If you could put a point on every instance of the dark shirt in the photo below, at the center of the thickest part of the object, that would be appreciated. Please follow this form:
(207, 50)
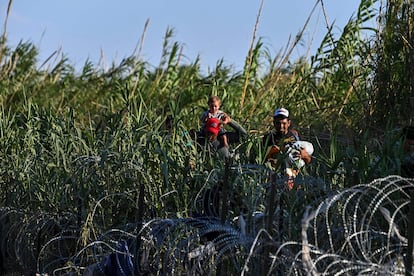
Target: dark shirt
(278, 139)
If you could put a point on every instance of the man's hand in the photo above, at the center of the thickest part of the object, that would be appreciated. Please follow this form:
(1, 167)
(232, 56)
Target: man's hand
(304, 155)
(272, 154)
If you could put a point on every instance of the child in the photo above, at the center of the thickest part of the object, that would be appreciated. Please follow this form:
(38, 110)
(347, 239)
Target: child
(212, 120)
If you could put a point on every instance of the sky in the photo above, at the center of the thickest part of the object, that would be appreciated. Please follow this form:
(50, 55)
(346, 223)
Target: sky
(213, 30)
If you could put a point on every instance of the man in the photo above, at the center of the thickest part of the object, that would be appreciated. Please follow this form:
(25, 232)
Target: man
(283, 139)
(407, 166)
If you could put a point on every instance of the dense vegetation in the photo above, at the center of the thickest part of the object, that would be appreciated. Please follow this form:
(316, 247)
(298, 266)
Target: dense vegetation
(87, 162)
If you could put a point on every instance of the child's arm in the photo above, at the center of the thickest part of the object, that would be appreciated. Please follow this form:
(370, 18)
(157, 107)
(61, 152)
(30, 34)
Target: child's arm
(225, 119)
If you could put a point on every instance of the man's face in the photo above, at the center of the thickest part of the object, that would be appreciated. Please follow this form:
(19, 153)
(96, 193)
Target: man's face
(281, 124)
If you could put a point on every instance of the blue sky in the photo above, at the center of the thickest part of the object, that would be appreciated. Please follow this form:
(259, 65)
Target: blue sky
(213, 29)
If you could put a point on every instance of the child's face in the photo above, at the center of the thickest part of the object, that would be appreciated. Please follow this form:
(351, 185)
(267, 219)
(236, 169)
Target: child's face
(214, 106)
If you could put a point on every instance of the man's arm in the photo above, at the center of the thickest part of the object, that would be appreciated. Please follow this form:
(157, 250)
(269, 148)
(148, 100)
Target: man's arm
(238, 128)
(304, 151)
(305, 156)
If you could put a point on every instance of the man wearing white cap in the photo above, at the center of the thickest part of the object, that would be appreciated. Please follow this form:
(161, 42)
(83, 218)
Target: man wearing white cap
(283, 138)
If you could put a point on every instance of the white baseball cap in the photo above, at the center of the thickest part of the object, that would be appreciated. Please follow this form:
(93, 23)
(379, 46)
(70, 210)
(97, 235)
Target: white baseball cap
(281, 112)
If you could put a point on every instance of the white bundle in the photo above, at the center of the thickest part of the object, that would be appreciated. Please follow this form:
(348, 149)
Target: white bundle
(293, 157)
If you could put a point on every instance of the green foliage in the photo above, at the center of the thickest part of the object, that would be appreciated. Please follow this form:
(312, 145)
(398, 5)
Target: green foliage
(394, 64)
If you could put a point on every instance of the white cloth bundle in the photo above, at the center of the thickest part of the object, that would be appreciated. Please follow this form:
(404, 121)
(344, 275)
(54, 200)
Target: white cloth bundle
(293, 158)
